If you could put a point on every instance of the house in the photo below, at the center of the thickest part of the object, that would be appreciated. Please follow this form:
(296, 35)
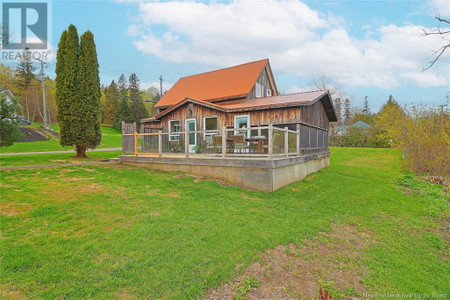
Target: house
(233, 124)
(9, 96)
(241, 96)
(342, 129)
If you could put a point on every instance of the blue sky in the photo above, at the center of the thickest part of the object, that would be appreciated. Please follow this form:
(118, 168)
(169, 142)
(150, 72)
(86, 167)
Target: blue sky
(366, 48)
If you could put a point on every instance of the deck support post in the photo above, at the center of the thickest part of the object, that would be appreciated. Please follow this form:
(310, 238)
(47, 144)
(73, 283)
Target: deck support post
(160, 143)
(135, 143)
(186, 143)
(224, 141)
(270, 150)
(298, 140)
(286, 141)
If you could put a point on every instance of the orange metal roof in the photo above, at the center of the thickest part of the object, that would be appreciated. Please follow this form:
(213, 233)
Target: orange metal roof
(305, 98)
(230, 82)
(281, 100)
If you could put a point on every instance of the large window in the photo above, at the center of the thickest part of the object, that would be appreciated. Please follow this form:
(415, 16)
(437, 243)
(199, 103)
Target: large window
(211, 125)
(174, 127)
(258, 90)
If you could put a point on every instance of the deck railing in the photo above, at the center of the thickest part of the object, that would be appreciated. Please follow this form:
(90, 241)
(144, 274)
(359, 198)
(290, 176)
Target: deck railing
(263, 141)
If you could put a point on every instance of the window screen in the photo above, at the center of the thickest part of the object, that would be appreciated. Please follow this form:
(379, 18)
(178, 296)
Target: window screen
(326, 139)
(304, 136)
(320, 138)
(313, 137)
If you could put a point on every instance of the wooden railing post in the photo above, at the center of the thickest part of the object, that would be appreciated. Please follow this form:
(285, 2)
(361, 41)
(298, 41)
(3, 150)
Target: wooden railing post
(286, 141)
(186, 143)
(224, 141)
(270, 150)
(160, 143)
(135, 144)
(124, 139)
(298, 140)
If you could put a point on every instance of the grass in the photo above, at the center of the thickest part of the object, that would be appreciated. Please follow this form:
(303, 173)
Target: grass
(56, 158)
(124, 231)
(110, 138)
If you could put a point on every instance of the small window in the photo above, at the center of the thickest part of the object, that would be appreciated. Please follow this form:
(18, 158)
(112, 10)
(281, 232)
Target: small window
(211, 126)
(258, 90)
(174, 126)
(268, 93)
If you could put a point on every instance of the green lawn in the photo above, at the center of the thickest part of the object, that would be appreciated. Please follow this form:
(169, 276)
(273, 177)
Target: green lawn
(110, 138)
(57, 158)
(116, 230)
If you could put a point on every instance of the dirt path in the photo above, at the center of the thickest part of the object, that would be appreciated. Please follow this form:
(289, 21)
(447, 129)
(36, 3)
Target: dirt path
(60, 151)
(331, 260)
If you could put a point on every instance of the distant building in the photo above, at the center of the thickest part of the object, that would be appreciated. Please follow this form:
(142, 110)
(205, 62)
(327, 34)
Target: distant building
(342, 129)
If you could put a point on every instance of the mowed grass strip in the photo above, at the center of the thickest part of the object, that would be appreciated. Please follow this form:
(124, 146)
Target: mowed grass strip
(126, 231)
(55, 158)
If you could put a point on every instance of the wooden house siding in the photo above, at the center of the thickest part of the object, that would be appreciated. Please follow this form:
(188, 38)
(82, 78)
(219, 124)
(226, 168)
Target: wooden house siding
(263, 79)
(314, 115)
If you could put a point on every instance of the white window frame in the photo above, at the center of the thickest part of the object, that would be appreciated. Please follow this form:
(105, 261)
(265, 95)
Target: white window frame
(259, 90)
(204, 126)
(248, 123)
(172, 136)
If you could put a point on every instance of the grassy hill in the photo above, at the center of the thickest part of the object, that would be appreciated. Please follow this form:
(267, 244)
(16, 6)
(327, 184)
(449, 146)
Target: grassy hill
(123, 231)
(110, 138)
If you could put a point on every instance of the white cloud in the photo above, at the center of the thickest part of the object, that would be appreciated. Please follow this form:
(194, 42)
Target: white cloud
(441, 7)
(297, 39)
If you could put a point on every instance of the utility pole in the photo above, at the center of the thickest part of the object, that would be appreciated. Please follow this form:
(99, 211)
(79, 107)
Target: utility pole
(44, 98)
(160, 85)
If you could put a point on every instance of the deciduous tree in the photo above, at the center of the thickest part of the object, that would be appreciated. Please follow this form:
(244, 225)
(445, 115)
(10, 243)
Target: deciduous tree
(112, 100)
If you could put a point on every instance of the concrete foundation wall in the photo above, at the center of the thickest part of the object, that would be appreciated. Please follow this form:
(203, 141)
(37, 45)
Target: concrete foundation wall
(256, 174)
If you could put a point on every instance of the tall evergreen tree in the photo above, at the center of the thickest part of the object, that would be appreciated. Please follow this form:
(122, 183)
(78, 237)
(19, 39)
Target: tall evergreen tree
(123, 114)
(137, 106)
(347, 112)
(338, 110)
(25, 70)
(66, 75)
(122, 87)
(112, 100)
(86, 113)
(366, 108)
(78, 91)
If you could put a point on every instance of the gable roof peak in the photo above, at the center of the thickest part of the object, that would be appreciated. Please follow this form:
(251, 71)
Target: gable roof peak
(231, 82)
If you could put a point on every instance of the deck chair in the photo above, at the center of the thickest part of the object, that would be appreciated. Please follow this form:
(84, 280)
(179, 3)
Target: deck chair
(217, 143)
(209, 144)
(239, 143)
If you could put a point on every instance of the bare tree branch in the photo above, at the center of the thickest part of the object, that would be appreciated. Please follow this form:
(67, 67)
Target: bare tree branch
(442, 34)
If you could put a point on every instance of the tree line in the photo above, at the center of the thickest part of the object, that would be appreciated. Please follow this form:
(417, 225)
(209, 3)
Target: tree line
(420, 132)
(125, 101)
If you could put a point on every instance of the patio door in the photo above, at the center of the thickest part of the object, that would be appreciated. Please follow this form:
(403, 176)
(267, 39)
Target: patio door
(242, 121)
(191, 125)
